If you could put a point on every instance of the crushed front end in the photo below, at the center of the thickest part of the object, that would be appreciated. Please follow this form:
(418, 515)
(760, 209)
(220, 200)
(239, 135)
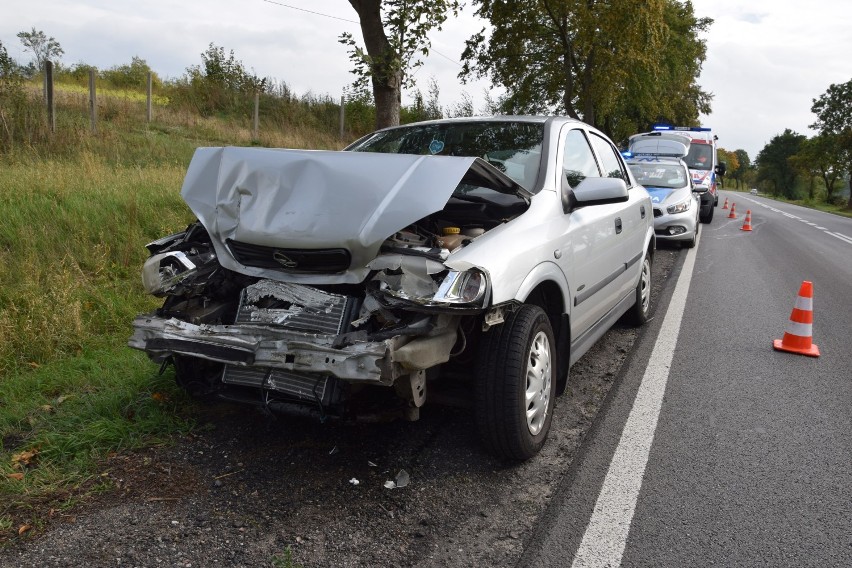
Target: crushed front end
(293, 319)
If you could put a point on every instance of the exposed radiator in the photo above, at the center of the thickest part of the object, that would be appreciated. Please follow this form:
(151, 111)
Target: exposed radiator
(296, 307)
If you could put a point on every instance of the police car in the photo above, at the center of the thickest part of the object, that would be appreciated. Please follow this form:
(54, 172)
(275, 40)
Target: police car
(700, 157)
(675, 203)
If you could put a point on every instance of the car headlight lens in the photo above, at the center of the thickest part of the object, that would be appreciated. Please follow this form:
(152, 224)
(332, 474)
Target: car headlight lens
(467, 287)
(163, 272)
(679, 207)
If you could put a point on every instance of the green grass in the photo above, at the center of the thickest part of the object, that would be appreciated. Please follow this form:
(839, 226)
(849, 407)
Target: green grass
(77, 209)
(71, 246)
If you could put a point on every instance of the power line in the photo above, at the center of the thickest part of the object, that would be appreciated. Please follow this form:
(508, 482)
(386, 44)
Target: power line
(311, 12)
(450, 59)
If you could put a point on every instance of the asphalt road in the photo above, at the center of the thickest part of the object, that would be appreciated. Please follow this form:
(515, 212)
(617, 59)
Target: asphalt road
(716, 450)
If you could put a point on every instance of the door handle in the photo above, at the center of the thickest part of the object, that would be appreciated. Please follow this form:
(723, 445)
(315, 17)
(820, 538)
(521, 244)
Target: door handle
(617, 225)
(642, 210)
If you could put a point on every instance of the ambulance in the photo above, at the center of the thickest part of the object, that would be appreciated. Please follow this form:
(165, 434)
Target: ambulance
(701, 159)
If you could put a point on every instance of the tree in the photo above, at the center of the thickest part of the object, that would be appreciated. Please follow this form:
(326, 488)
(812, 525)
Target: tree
(773, 163)
(834, 119)
(43, 48)
(743, 165)
(132, 76)
(821, 156)
(620, 65)
(220, 84)
(395, 35)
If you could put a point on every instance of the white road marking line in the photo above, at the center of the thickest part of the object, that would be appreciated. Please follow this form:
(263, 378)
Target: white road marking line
(606, 534)
(821, 228)
(843, 238)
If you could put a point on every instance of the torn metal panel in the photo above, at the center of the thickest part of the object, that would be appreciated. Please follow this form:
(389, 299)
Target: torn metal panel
(294, 306)
(408, 277)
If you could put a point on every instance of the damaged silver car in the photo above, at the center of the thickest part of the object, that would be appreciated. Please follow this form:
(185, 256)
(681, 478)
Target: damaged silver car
(480, 255)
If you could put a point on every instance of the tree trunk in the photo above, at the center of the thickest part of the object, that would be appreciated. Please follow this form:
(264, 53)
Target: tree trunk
(385, 78)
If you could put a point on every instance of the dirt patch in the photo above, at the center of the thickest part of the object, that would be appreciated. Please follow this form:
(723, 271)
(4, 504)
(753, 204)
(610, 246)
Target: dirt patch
(245, 486)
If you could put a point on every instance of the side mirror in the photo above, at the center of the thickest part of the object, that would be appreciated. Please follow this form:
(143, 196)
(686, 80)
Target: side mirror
(593, 191)
(721, 168)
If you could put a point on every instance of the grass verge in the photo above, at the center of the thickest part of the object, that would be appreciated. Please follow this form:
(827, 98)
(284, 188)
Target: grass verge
(71, 244)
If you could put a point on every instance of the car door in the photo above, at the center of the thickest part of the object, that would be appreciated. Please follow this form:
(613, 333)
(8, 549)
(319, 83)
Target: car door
(593, 260)
(631, 217)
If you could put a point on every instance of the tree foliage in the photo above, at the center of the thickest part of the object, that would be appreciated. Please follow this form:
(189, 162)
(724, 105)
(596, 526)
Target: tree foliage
(821, 157)
(834, 122)
(133, 75)
(774, 165)
(220, 84)
(739, 168)
(395, 36)
(42, 47)
(620, 65)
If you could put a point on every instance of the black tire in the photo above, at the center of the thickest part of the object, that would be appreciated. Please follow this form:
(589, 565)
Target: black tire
(516, 357)
(200, 378)
(638, 314)
(691, 242)
(707, 217)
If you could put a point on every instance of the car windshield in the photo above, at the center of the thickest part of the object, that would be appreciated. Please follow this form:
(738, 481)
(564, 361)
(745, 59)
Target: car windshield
(514, 148)
(700, 157)
(655, 174)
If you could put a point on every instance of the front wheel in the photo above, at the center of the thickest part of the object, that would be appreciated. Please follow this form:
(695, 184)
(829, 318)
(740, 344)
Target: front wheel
(516, 384)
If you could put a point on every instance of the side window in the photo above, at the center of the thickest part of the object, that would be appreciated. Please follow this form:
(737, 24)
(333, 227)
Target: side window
(578, 161)
(611, 164)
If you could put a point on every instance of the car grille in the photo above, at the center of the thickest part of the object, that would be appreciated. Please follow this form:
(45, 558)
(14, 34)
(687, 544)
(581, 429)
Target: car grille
(658, 212)
(323, 261)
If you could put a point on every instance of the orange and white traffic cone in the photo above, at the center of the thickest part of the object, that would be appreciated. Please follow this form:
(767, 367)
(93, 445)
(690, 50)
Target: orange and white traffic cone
(798, 337)
(733, 214)
(747, 223)
(725, 206)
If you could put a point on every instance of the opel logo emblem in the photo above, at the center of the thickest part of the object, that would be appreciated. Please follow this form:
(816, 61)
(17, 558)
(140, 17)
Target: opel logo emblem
(284, 260)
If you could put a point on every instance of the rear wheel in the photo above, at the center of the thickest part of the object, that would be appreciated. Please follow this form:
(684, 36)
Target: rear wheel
(638, 314)
(707, 216)
(516, 384)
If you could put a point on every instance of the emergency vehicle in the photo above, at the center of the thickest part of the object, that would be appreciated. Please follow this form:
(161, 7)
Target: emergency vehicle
(701, 159)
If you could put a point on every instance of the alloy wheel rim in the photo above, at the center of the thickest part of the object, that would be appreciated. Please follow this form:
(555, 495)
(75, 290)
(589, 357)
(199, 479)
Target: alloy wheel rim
(538, 383)
(646, 285)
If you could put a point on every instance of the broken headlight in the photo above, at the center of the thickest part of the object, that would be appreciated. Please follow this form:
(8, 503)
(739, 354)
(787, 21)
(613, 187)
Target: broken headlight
(467, 287)
(163, 273)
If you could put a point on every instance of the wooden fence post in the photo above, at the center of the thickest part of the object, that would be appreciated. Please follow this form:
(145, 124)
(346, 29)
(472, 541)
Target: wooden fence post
(342, 117)
(148, 112)
(255, 124)
(48, 78)
(93, 102)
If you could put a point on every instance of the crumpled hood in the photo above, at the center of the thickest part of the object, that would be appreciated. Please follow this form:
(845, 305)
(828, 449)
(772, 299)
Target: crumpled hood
(311, 199)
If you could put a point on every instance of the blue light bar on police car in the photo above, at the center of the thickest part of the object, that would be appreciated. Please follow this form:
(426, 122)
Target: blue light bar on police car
(681, 128)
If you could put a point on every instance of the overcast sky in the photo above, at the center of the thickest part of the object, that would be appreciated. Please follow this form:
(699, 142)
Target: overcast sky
(767, 60)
